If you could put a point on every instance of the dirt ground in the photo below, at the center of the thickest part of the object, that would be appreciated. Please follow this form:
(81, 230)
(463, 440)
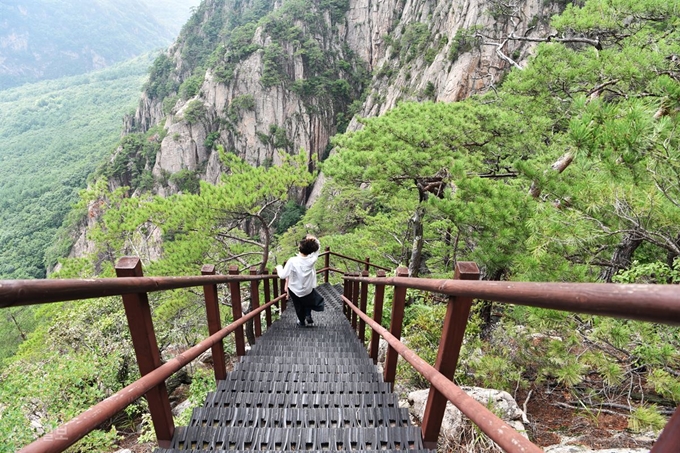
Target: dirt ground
(550, 423)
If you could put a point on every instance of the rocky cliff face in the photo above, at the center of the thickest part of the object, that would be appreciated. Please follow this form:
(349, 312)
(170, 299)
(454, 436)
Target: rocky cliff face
(415, 49)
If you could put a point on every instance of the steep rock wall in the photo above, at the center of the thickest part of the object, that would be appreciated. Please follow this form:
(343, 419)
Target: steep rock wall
(387, 51)
(407, 44)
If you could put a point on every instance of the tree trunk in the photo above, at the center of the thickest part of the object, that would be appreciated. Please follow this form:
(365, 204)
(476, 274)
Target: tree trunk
(249, 325)
(16, 324)
(559, 166)
(417, 248)
(671, 256)
(447, 249)
(622, 256)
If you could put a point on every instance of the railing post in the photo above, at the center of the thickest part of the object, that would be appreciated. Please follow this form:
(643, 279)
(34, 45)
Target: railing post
(457, 314)
(267, 298)
(396, 324)
(255, 301)
(362, 306)
(327, 264)
(138, 315)
(367, 264)
(377, 316)
(355, 301)
(212, 311)
(235, 289)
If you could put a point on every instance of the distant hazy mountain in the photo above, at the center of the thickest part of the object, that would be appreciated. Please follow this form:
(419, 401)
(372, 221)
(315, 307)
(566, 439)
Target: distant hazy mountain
(48, 39)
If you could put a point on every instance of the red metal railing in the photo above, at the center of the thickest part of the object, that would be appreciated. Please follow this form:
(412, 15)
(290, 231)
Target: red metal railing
(133, 288)
(654, 303)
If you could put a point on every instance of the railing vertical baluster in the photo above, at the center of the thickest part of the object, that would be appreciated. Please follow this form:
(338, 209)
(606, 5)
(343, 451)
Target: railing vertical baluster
(282, 288)
(138, 315)
(267, 298)
(255, 301)
(367, 264)
(377, 316)
(275, 285)
(347, 292)
(398, 304)
(457, 314)
(212, 311)
(327, 264)
(235, 289)
(362, 306)
(355, 301)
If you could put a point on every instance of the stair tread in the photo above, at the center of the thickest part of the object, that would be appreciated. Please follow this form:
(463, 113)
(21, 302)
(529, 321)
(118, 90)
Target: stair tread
(305, 418)
(229, 438)
(312, 389)
(234, 386)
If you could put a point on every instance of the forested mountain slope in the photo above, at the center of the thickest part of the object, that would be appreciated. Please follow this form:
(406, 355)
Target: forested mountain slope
(53, 134)
(42, 40)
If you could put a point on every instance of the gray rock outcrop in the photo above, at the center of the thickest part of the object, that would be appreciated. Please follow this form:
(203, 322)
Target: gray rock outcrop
(499, 402)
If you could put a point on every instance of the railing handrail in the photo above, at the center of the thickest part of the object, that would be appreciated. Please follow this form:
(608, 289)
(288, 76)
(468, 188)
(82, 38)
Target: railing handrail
(498, 430)
(653, 303)
(33, 292)
(358, 261)
(650, 303)
(76, 428)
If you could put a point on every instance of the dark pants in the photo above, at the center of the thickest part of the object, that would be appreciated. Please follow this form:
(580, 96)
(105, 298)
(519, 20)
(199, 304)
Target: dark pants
(303, 305)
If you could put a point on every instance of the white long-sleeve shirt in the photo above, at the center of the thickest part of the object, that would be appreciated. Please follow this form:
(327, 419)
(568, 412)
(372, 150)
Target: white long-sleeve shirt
(301, 271)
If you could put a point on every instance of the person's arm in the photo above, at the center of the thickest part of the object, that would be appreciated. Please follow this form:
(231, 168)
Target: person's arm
(284, 272)
(315, 255)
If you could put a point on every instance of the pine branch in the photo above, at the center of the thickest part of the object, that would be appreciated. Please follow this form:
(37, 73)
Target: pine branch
(554, 38)
(244, 240)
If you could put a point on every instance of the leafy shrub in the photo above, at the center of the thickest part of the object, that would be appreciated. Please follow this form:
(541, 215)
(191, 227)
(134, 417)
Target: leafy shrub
(194, 112)
(191, 86)
(187, 181)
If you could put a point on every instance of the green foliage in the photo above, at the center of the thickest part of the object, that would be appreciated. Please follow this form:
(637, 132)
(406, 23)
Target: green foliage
(414, 41)
(194, 111)
(190, 87)
(290, 215)
(645, 418)
(273, 69)
(462, 42)
(133, 160)
(202, 382)
(60, 130)
(655, 272)
(187, 181)
(82, 355)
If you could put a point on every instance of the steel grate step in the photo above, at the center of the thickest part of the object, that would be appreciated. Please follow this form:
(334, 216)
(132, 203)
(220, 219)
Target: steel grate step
(302, 377)
(301, 401)
(300, 418)
(207, 438)
(302, 389)
(288, 387)
(302, 368)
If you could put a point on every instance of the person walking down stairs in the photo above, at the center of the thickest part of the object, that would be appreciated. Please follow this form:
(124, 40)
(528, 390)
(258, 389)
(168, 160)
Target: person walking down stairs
(301, 278)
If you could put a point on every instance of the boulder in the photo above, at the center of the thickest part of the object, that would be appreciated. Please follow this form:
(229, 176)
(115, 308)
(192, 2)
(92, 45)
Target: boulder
(454, 423)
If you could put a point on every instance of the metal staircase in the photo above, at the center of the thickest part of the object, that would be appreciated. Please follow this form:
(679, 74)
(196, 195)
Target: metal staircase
(311, 389)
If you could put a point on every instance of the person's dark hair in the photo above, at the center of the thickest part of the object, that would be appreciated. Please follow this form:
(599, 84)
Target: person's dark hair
(308, 245)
